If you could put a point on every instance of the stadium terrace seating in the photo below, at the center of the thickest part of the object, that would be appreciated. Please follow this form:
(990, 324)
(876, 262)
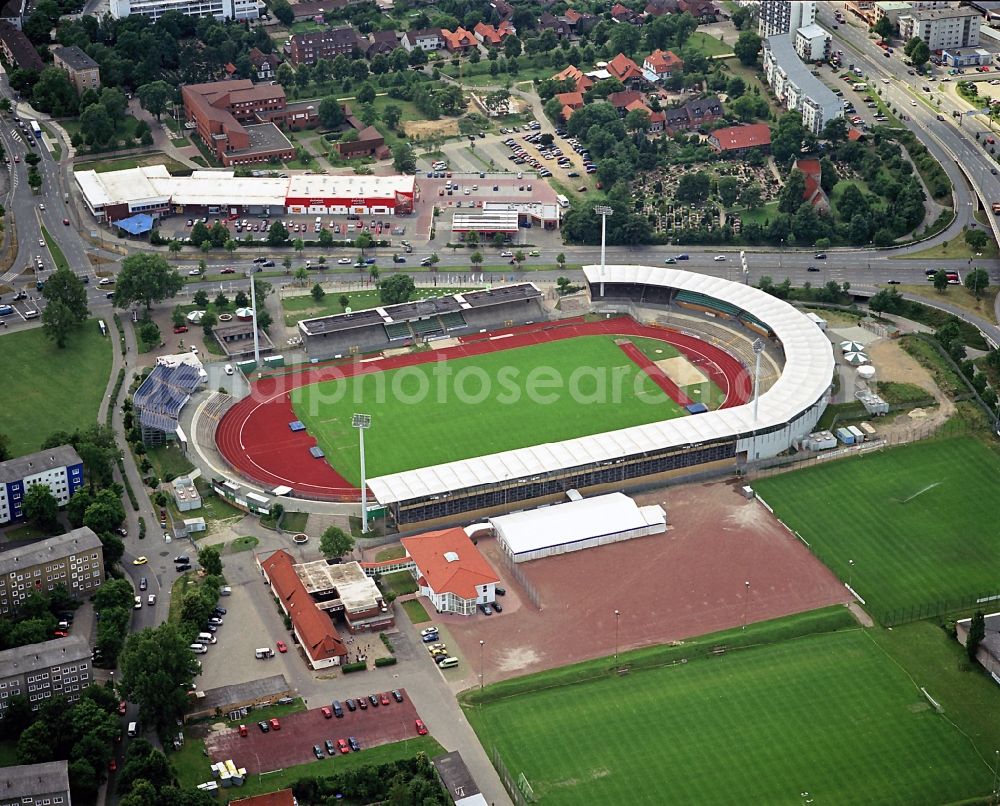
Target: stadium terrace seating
(453, 321)
(427, 327)
(397, 331)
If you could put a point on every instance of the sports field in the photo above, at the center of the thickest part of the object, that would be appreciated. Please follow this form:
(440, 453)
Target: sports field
(439, 412)
(827, 718)
(918, 521)
(46, 389)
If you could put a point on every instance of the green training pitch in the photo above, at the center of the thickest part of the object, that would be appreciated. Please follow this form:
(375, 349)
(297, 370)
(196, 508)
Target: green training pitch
(484, 404)
(918, 521)
(825, 719)
(46, 389)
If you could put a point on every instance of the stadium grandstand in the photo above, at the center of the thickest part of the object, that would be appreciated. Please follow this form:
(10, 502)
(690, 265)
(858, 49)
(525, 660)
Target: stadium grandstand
(161, 396)
(713, 441)
(397, 325)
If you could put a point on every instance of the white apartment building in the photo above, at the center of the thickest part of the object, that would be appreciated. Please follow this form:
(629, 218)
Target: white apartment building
(154, 9)
(60, 468)
(796, 87)
(812, 43)
(942, 28)
(779, 17)
(40, 671)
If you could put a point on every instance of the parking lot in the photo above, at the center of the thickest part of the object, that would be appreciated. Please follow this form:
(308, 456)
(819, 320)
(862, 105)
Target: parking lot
(293, 743)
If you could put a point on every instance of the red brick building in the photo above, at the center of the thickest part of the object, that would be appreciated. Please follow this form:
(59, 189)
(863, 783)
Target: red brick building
(311, 47)
(737, 140)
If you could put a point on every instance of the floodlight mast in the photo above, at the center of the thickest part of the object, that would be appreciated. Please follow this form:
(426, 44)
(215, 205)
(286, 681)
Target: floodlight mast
(603, 211)
(363, 422)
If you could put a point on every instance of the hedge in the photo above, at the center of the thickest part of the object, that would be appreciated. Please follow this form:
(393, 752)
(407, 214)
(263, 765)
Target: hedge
(347, 668)
(391, 661)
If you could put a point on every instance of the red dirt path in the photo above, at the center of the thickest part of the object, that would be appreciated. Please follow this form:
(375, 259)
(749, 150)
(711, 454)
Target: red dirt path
(254, 437)
(656, 375)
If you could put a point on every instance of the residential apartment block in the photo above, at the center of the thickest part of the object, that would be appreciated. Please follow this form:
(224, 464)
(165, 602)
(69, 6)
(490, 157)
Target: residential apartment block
(942, 28)
(783, 17)
(61, 666)
(75, 560)
(812, 43)
(83, 71)
(17, 49)
(45, 784)
(796, 87)
(154, 9)
(311, 47)
(60, 468)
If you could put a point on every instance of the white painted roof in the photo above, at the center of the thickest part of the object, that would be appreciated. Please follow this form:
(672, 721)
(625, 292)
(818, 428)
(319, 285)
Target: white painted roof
(320, 186)
(804, 380)
(574, 521)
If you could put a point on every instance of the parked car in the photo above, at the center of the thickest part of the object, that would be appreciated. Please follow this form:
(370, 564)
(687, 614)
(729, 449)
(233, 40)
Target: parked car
(486, 609)
(383, 698)
(282, 646)
(329, 747)
(317, 751)
(342, 746)
(421, 728)
(429, 631)
(373, 699)
(264, 727)
(354, 743)
(397, 695)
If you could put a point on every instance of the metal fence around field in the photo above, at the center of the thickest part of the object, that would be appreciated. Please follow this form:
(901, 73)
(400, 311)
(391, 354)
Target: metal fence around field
(936, 610)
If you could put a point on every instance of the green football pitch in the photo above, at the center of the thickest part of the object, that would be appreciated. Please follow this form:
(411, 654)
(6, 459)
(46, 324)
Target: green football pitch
(918, 522)
(443, 411)
(822, 719)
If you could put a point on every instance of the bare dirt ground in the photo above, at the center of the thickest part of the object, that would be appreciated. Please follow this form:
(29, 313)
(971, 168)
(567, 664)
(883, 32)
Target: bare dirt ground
(681, 371)
(686, 582)
(418, 129)
(894, 364)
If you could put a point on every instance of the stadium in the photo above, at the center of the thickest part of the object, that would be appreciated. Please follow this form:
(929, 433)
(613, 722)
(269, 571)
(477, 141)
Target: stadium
(681, 342)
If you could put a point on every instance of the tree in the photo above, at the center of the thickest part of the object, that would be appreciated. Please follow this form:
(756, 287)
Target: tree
(977, 239)
(344, 301)
(335, 542)
(728, 189)
(331, 113)
(153, 97)
(114, 103)
(637, 120)
(105, 513)
(835, 130)
(751, 196)
(41, 508)
(940, 281)
(977, 281)
(476, 258)
(403, 158)
(16, 717)
(977, 632)
(920, 54)
(396, 289)
(146, 278)
(786, 140)
(693, 188)
(283, 12)
(366, 94)
(364, 241)
(96, 126)
(318, 293)
(791, 195)
(200, 298)
(302, 274)
(883, 27)
(747, 47)
(210, 560)
(391, 115)
(67, 308)
(208, 321)
(156, 670)
(277, 234)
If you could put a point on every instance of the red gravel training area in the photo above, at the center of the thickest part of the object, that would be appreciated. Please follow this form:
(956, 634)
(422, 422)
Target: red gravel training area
(686, 582)
(656, 375)
(293, 744)
(255, 439)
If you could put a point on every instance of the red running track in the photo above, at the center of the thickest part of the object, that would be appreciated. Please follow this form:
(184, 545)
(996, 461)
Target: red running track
(254, 437)
(656, 375)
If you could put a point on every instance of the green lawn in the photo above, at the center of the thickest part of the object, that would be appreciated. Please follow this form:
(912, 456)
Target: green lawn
(467, 407)
(955, 249)
(295, 521)
(393, 553)
(191, 765)
(416, 611)
(824, 718)
(303, 306)
(58, 258)
(243, 544)
(169, 459)
(398, 582)
(46, 389)
(917, 521)
(709, 45)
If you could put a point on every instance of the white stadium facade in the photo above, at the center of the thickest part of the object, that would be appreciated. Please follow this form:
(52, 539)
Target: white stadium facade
(643, 455)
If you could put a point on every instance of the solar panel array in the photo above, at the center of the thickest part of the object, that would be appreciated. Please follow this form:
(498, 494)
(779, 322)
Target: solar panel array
(162, 395)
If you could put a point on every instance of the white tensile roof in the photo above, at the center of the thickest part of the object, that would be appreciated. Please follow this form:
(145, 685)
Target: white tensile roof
(574, 521)
(804, 380)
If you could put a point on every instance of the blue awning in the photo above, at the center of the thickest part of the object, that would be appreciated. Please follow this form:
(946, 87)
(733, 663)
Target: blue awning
(137, 224)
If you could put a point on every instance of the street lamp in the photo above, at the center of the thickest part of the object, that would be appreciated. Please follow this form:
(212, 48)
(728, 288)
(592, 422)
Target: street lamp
(363, 422)
(617, 616)
(850, 574)
(603, 211)
(746, 604)
(482, 645)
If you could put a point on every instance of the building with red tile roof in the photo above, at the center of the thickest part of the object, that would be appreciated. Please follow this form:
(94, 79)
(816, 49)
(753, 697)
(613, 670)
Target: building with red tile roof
(736, 140)
(459, 40)
(583, 82)
(621, 100)
(620, 13)
(312, 627)
(664, 63)
(571, 101)
(814, 193)
(490, 36)
(450, 571)
(625, 70)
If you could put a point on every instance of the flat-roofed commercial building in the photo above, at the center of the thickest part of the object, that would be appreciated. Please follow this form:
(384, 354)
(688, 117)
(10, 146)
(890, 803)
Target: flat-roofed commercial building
(154, 9)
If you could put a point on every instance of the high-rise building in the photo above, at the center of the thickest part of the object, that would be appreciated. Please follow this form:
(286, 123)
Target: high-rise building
(61, 469)
(942, 28)
(74, 560)
(778, 17)
(61, 666)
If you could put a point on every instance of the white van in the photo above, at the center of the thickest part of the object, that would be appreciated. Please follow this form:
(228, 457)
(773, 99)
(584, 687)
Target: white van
(562, 201)
(448, 663)
(198, 649)
(207, 638)
(264, 652)
(133, 729)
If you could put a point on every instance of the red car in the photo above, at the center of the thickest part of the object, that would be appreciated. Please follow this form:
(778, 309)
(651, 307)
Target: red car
(383, 698)
(112, 765)
(243, 730)
(362, 703)
(327, 713)
(421, 728)
(282, 646)
(66, 221)
(122, 706)
(275, 724)
(342, 746)
(60, 634)
(228, 270)
(180, 329)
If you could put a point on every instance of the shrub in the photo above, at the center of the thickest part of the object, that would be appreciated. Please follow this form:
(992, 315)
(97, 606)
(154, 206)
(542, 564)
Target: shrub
(347, 668)
(385, 661)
